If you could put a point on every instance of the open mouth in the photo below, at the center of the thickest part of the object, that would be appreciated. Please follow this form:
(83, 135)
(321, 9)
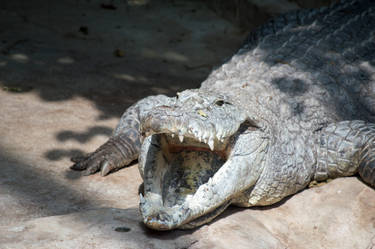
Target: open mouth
(187, 160)
(175, 167)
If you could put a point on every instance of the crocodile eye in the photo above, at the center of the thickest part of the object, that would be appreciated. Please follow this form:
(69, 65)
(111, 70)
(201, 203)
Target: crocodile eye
(221, 103)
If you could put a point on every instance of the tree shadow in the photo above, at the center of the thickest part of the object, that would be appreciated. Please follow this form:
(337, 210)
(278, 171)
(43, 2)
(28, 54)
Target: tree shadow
(112, 58)
(38, 192)
(84, 137)
(43, 195)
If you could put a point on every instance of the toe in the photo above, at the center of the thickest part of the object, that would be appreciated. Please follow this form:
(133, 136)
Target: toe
(77, 159)
(92, 168)
(81, 165)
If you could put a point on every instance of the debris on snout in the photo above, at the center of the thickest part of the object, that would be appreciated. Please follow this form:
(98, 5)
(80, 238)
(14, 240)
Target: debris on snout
(202, 113)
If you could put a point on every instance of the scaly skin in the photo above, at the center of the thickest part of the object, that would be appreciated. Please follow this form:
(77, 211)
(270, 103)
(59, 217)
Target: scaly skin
(295, 104)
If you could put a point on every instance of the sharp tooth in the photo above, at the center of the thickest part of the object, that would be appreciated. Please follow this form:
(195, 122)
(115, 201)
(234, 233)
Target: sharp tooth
(181, 137)
(209, 182)
(141, 199)
(211, 144)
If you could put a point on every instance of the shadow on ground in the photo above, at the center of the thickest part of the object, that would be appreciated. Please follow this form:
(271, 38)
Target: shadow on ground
(35, 193)
(111, 56)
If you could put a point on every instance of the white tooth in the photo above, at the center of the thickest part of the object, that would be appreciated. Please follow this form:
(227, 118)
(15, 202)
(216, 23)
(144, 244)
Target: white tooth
(209, 182)
(181, 137)
(141, 199)
(211, 144)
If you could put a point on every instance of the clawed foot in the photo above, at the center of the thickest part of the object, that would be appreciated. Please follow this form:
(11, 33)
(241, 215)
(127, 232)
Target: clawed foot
(105, 159)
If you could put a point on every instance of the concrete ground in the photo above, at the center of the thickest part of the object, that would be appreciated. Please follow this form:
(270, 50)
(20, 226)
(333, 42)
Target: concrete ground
(68, 70)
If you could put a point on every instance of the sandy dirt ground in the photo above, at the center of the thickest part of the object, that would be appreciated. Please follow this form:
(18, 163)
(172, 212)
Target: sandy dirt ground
(68, 70)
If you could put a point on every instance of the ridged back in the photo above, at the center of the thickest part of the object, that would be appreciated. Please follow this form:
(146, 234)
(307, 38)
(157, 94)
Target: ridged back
(310, 66)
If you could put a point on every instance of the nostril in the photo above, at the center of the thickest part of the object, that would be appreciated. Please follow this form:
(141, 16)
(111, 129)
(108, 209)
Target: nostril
(202, 113)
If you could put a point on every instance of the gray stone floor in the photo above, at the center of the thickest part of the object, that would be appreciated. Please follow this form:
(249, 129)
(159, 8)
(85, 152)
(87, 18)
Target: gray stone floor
(68, 69)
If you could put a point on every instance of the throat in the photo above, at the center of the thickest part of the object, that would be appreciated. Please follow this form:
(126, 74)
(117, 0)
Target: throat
(188, 169)
(182, 148)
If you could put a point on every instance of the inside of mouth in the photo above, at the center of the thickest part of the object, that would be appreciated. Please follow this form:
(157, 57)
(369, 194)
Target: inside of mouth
(184, 166)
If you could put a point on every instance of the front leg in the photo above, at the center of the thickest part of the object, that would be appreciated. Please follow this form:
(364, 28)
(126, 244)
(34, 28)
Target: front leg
(123, 146)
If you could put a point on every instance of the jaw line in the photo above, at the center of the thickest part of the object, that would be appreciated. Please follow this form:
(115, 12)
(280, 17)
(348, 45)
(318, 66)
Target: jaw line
(235, 175)
(157, 214)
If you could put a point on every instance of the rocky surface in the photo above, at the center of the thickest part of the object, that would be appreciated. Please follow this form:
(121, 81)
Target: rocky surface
(340, 214)
(68, 69)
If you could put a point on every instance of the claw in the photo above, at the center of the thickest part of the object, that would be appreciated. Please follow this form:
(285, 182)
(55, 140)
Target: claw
(106, 168)
(114, 154)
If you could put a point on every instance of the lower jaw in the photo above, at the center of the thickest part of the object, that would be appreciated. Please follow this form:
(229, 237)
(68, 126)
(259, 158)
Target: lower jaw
(179, 171)
(161, 225)
(204, 219)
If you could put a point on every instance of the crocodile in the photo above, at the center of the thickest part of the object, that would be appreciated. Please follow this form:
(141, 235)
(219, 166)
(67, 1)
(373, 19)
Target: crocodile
(294, 105)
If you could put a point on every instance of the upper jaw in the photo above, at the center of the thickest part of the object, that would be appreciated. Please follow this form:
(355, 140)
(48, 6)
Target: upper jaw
(166, 128)
(181, 124)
